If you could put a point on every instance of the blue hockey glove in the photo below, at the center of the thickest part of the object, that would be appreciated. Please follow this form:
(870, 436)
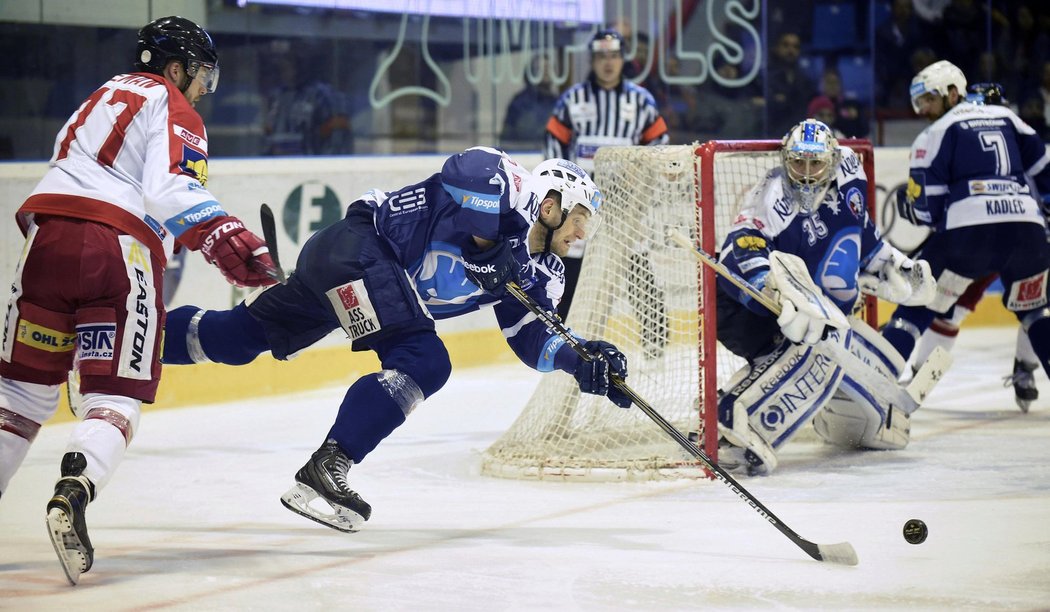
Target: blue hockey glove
(594, 376)
(905, 208)
(492, 269)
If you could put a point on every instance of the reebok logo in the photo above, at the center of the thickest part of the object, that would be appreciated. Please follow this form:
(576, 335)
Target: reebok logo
(485, 269)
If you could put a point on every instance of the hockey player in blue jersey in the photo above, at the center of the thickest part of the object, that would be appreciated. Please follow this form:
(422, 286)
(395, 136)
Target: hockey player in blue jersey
(804, 237)
(975, 176)
(436, 249)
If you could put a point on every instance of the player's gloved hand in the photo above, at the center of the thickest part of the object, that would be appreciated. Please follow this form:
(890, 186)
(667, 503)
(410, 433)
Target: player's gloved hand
(240, 255)
(594, 376)
(901, 280)
(493, 268)
(905, 207)
(799, 326)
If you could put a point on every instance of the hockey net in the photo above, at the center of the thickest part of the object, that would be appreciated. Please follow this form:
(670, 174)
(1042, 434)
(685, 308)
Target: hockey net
(651, 299)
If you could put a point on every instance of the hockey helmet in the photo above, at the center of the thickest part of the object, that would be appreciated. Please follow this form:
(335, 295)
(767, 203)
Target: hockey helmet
(574, 185)
(937, 78)
(985, 93)
(178, 38)
(607, 41)
(810, 156)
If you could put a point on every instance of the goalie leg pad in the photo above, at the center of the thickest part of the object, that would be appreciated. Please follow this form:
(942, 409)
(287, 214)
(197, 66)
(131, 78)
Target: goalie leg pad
(777, 397)
(853, 419)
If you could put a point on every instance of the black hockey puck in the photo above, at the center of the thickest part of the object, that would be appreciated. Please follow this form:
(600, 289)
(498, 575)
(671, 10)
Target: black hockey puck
(915, 531)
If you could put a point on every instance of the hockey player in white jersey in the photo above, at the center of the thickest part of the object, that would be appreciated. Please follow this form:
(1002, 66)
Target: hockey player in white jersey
(975, 176)
(804, 236)
(125, 187)
(944, 329)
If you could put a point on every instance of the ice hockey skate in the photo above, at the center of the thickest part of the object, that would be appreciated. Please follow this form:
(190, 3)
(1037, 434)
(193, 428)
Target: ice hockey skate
(322, 482)
(1023, 381)
(65, 518)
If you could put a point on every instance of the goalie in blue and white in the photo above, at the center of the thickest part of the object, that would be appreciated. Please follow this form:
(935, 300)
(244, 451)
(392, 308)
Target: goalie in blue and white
(804, 237)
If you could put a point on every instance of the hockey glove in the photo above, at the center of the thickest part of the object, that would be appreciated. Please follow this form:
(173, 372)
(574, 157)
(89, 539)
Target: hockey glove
(906, 208)
(491, 269)
(594, 376)
(901, 280)
(240, 255)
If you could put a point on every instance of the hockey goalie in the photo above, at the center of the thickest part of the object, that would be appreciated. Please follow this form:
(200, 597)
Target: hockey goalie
(804, 238)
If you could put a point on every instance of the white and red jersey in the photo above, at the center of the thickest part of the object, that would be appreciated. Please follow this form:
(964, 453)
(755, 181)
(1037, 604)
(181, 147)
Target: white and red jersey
(134, 156)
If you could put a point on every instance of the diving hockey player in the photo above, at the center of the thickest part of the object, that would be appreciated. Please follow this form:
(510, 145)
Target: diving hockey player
(437, 249)
(804, 236)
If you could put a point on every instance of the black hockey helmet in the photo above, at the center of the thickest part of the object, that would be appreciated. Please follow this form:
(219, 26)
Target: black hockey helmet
(168, 38)
(607, 40)
(986, 93)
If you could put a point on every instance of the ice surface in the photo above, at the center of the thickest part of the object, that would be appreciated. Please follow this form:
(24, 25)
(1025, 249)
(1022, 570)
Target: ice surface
(192, 519)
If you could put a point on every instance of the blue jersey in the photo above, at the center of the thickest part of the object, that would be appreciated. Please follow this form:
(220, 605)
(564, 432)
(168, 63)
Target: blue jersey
(837, 240)
(977, 165)
(480, 192)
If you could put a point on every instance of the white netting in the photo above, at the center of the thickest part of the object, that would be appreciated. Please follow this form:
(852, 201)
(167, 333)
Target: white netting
(639, 291)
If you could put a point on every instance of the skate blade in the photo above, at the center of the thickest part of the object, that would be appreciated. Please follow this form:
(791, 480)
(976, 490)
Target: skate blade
(298, 499)
(67, 545)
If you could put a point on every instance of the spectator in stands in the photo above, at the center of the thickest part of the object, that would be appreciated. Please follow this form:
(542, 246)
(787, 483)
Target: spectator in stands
(850, 118)
(895, 40)
(641, 59)
(1031, 111)
(789, 89)
(728, 112)
(527, 113)
(822, 109)
(964, 28)
(304, 114)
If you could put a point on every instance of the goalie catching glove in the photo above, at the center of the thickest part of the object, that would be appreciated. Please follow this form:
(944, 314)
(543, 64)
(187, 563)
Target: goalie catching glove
(241, 255)
(493, 268)
(806, 313)
(894, 277)
(595, 376)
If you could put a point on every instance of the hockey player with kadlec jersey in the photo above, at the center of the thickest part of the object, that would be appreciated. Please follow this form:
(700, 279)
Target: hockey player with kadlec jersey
(804, 236)
(126, 186)
(975, 176)
(439, 248)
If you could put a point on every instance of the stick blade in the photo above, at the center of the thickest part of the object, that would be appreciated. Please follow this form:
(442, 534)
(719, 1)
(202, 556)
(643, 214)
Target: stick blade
(841, 553)
(269, 227)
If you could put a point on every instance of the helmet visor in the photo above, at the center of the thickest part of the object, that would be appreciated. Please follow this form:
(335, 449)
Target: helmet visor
(206, 74)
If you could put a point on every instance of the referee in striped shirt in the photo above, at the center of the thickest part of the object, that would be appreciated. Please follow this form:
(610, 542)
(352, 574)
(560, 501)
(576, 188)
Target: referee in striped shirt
(604, 110)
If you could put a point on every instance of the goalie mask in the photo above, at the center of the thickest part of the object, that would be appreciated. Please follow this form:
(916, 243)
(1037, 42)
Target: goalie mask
(936, 79)
(576, 190)
(810, 155)
(178, 38)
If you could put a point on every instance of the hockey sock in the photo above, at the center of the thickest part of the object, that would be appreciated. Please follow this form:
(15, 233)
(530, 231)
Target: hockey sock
(232, 336)
(942, 332)
(367, 415)
(1037, 326)
(414, 367)
(906, 327)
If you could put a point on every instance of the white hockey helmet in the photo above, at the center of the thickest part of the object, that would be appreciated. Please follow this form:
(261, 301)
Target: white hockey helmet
(936, 79)
(574, 185)
(810, 155)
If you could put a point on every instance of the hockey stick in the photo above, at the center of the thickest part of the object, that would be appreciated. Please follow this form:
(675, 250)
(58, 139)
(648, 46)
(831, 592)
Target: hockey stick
(269, 227)
(907, 398)
(841, 553)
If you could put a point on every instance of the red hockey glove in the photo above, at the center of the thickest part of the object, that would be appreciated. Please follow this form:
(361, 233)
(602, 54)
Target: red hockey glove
(241, 255)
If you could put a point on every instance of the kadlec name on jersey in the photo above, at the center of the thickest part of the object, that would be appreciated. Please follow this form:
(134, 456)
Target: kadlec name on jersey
(1004, 206)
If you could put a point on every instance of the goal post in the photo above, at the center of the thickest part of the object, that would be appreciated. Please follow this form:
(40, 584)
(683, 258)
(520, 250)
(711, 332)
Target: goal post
(656, 303)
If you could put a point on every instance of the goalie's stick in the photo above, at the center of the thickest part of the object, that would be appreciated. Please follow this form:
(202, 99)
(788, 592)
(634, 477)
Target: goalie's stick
(269, 227)
(841, 553)
(907, 398)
